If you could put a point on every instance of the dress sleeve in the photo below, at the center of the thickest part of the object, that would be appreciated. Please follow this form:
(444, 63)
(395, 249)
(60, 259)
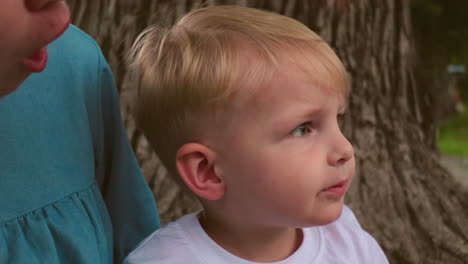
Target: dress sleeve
(129, 200)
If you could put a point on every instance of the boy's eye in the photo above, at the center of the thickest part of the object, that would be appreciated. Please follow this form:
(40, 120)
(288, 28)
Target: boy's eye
(341, 116)
(302, 130)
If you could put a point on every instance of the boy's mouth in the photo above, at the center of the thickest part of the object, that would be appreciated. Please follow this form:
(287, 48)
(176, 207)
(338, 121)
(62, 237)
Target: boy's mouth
(337, 189)
(37, 61)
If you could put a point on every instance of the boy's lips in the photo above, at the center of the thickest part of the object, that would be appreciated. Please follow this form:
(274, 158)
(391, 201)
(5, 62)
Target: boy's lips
(37, 61)
(338, 189)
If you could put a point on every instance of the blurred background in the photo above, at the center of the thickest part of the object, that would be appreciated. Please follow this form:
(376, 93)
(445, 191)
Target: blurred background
(441, 32)
(408, 117)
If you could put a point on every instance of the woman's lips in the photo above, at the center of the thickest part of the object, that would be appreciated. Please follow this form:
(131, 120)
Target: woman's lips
(37, 62)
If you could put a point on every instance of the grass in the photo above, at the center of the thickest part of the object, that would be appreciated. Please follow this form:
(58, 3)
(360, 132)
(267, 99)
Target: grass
(453, 137)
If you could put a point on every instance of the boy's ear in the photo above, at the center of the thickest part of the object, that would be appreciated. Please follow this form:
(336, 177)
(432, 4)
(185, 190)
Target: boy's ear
(196, 165)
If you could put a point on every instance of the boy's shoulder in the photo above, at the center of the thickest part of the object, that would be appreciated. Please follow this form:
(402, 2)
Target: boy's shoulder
(348, 218)
(350, 242)
(183, 241)
(170, 244)
(346, 229)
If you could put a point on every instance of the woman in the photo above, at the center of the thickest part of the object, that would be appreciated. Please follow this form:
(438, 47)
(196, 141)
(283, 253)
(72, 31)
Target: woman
(71, 190)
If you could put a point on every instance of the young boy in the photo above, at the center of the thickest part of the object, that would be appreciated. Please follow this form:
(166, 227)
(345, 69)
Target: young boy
(243, 105)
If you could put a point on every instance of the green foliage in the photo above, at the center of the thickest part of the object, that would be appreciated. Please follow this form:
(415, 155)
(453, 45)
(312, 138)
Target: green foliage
(443, 24)
(453, 138)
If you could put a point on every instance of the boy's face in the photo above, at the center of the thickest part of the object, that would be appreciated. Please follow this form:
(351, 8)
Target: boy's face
(26, 27)
(285, 161)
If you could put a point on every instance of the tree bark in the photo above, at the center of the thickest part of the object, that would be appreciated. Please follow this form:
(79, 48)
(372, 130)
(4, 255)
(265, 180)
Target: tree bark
(401, 194)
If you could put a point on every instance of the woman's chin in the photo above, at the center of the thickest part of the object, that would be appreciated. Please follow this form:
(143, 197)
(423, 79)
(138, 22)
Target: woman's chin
(10, 85)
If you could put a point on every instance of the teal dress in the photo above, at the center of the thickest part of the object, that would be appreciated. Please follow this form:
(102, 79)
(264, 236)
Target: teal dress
(71, 190)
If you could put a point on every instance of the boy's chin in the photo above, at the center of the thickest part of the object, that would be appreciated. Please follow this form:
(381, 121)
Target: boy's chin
(326, 216)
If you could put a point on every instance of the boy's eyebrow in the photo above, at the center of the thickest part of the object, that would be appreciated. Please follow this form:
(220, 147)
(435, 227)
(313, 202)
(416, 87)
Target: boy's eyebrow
(343, 107)
(292, 118)
(311, 113)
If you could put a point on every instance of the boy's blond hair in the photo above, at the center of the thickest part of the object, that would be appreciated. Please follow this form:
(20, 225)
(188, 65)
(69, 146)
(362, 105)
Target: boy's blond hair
(193, 71)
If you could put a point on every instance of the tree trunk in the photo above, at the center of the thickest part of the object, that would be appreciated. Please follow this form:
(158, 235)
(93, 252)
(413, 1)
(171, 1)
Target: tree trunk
(401, 193)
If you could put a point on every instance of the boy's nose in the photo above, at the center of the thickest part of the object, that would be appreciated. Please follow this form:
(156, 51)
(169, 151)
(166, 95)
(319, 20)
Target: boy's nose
(342, 151)
(37, 5)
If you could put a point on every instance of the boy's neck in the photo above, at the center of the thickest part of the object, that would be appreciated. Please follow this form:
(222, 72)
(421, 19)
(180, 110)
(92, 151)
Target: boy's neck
(250, 242)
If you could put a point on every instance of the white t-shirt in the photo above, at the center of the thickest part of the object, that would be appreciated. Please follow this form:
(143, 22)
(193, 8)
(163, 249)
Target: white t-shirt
(185, 242)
